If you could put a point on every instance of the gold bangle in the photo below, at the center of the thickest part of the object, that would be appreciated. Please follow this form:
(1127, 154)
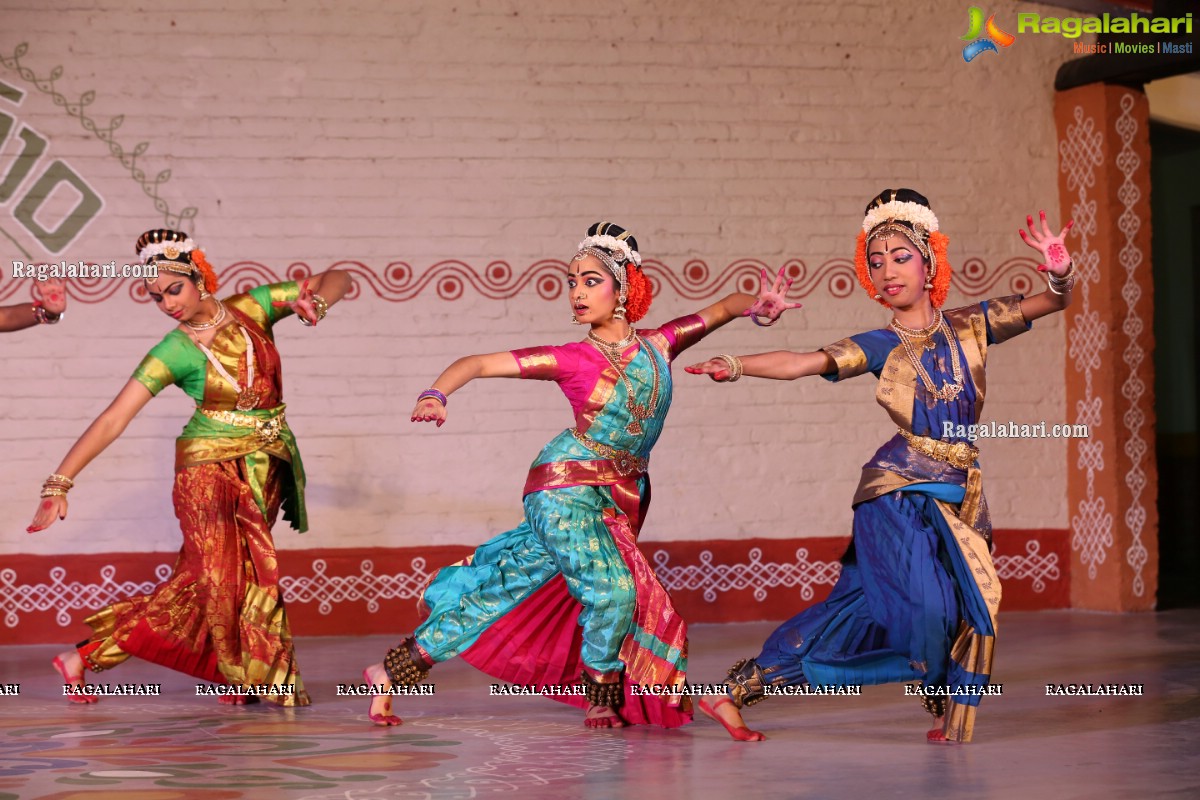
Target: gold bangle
(735, 367)
(63, 479)
(53, 491)
(320, 305)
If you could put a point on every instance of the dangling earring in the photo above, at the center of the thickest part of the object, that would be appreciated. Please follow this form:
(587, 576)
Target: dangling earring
(619, 311)
(878, 297)
(929, 282)
(204, 295)
(575, 320)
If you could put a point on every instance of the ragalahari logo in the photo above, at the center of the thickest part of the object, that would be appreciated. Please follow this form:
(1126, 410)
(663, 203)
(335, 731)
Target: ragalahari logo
(994, 37)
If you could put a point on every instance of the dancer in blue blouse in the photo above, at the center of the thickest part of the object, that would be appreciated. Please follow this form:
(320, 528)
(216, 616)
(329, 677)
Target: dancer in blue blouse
(918, 593)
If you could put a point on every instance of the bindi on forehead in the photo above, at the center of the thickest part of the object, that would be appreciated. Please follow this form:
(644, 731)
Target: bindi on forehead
(881, 246)
(153, 288)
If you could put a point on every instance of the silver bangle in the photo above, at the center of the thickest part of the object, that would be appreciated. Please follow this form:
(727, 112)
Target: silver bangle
(1061, 287)
(1061, 284)
(45, 317)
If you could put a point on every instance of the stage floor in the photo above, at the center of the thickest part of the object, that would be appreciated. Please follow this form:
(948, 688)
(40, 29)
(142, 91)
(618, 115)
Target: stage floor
(463, 743)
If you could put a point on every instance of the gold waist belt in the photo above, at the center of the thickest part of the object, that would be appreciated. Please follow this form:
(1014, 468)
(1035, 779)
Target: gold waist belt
(957, 454)
(625, 462)
(268, 429)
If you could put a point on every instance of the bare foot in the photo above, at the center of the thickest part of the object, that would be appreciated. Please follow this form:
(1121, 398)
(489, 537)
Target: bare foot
(70, 667)
(380, 711)
(603, 717)
(726, 712)
(237, 699)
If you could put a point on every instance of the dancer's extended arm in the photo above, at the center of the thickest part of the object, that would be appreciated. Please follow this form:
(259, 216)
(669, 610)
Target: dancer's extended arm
(103, 431)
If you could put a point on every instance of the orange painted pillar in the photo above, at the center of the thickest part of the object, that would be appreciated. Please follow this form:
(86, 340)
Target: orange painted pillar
(1112, 484)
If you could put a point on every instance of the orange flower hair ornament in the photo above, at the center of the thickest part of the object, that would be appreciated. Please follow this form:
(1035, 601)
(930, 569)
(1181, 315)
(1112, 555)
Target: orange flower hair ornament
(206, 271)
(639, 296)
(938, 242)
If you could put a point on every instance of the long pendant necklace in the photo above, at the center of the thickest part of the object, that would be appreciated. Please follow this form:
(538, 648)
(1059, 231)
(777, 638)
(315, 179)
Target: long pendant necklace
(915, 341)
(612, 352)
(246, 398)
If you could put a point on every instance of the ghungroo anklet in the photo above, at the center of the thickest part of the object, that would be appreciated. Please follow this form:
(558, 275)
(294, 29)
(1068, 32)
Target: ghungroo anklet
(610, 694)
(747, 683)
(935, 705)
(404, 664)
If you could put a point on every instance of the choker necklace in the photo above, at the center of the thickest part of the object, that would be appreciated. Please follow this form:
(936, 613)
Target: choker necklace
(612, 346)
(922, 336)
(217, 319)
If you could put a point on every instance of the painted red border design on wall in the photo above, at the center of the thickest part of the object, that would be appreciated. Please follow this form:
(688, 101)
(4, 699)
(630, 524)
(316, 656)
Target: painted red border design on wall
(398, 282)
(358, 591)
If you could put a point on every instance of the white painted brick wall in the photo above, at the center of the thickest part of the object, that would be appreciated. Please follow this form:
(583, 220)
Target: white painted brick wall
(420, 132)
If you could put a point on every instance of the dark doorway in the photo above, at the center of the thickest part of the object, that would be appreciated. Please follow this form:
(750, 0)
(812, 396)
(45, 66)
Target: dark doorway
(1175, 220)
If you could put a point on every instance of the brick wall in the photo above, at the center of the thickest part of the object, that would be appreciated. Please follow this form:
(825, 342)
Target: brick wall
(433, 139)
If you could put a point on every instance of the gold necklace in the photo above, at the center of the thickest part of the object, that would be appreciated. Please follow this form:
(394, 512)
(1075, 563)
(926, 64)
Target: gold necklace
(612, 347)
(949, 391)
(246, 397)
(922, 335)
(217, 319)
(637, 410)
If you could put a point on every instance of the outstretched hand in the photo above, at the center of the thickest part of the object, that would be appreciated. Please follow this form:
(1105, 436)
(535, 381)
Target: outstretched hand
(1054, 252)
(50, 510)
(429, 409)
(53, 296)
(772, 297)
(715, 368)
(303, 304)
